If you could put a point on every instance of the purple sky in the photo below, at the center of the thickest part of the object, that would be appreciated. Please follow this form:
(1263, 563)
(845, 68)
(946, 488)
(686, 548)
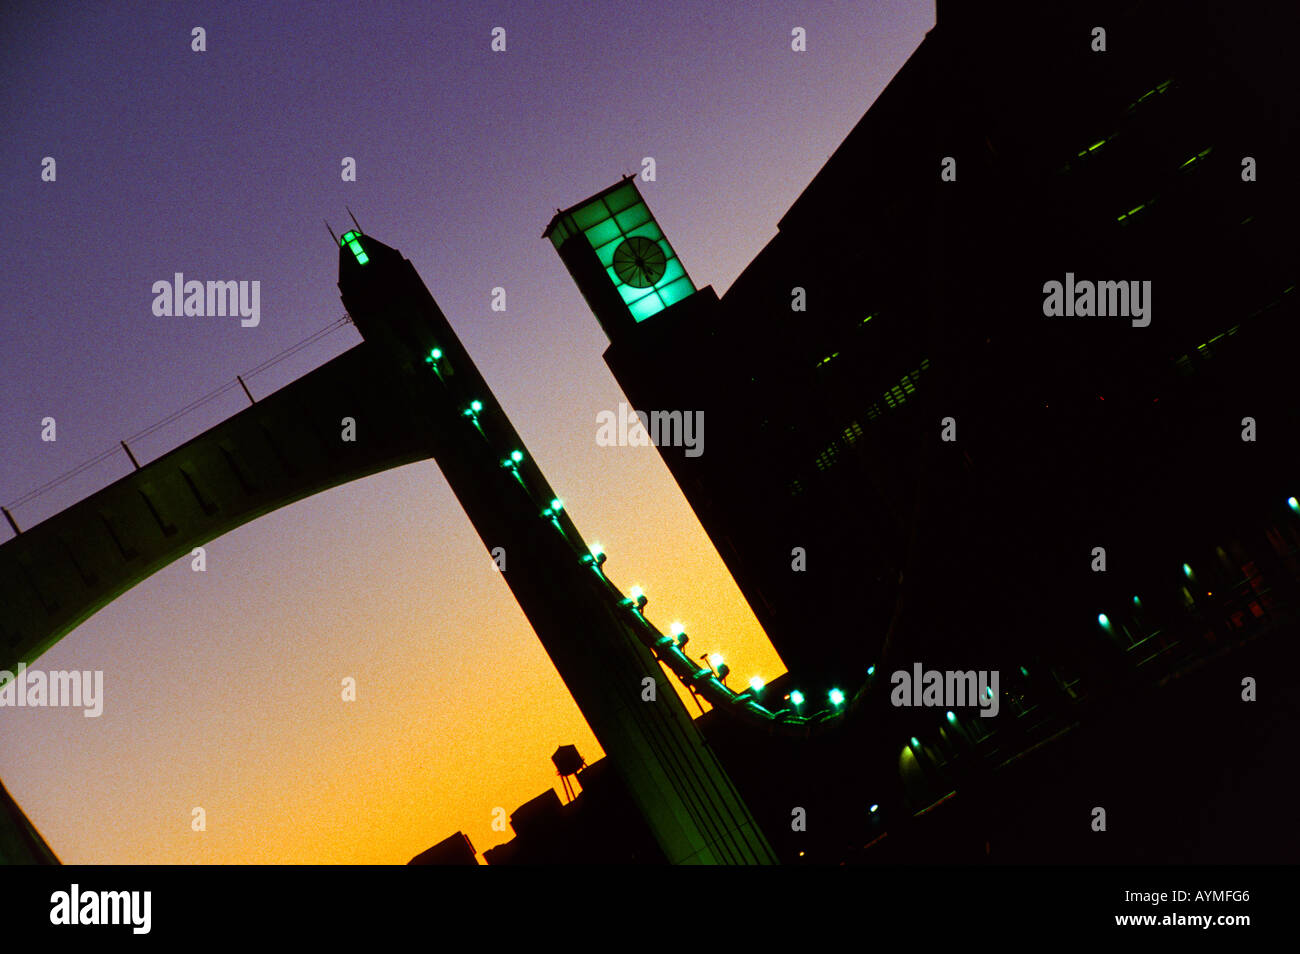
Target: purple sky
(221, 165)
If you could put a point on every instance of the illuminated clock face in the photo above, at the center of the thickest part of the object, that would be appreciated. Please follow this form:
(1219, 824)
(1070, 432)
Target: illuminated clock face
(640, 262)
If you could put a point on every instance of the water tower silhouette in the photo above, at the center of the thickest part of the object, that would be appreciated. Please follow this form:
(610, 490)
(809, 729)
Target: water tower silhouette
(568, 763)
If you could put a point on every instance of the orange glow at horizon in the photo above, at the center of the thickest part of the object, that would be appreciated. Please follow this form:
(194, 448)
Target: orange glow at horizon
(458, 707)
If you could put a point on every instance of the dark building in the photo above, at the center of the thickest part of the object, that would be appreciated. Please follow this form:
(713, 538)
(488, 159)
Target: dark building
(453, 850)
(1012, 389)
(599, 826)
(906, 286)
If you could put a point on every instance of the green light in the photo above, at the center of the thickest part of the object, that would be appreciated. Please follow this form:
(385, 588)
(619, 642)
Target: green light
(796, 697)
(1133, 211)
(434, 355)
(952, 719)
(636, 593)
(757, 684)
(871, 670)
(632, 249)
(1137, 602)
(873, 809)
(676, 629)
(517, 456)
(557, 504)
(1024, 671)
(1104, 620)
(837, 697)
(915, 743)
(1291, 502)
(350, 241)
(476, 406)
(1149, 93)
(597, 550)
(715, 660)
(1187, 571)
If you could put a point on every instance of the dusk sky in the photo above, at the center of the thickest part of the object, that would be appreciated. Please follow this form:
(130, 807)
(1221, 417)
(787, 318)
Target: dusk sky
(222, 688)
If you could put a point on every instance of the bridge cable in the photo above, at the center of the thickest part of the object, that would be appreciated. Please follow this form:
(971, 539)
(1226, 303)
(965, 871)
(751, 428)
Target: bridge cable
(193, 405)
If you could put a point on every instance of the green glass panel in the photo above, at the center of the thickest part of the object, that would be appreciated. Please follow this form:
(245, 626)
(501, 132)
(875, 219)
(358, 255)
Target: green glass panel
(560, 232)
(606, 253)
(672, 271)
(630, 219)
(633, 294)
(589, 215)
(603, 232)
(651, 231)
(643, 309)
(676, 291)
(622, 197)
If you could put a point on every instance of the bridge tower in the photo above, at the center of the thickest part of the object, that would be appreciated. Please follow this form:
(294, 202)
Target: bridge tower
(589, 630)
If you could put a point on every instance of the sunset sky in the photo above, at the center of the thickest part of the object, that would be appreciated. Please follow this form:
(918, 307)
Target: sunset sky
(223, 688)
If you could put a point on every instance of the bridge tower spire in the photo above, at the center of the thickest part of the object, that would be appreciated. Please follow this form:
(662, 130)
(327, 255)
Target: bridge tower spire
(587, 627)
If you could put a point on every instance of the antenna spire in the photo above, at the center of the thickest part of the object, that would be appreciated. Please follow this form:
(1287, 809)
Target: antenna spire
(354, 219)
(331, 231)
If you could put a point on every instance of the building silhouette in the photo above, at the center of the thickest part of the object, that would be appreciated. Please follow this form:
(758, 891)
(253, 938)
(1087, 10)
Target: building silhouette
(915, 455)
(455, 849)
(917, 452)
(903, 289)
(600, 825)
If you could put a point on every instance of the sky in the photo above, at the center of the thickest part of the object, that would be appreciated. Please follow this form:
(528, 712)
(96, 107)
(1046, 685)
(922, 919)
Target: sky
(222, 687)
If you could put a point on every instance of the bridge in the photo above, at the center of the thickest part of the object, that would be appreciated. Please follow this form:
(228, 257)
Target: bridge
(408, 392)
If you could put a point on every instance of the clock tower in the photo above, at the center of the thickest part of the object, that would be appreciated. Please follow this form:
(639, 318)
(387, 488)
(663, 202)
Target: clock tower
(619, 258)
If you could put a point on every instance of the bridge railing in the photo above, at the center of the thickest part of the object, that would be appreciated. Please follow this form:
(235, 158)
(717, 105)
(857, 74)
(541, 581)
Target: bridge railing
(89, 476)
